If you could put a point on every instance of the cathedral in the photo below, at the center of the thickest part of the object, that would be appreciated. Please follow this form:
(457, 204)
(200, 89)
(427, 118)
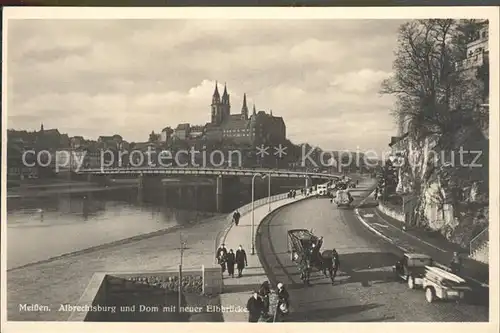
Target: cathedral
(241, 128)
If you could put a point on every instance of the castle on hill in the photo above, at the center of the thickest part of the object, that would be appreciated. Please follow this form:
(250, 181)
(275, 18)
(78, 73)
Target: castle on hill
(241, 128)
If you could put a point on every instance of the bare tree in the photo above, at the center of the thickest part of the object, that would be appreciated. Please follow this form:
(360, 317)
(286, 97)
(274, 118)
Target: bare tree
(434, 100)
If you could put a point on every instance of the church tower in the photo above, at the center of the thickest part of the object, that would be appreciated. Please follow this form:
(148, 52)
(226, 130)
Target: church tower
(226, 105)
(216, 106)
(244, 108)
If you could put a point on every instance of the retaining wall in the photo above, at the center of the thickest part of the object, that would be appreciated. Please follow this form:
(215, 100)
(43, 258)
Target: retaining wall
(206, 281)
(391, 212)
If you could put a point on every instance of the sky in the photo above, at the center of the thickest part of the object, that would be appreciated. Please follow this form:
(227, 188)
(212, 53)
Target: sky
(131, 77)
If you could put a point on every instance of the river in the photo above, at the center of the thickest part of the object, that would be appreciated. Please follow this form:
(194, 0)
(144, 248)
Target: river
(43, 227)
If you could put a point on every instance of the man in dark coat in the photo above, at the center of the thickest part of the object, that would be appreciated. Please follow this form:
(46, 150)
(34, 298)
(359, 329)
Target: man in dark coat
(255, 306)
(230, 261)
(456, 263)
(221, 257)
(264, 292)
(236, 217)
(241, 260)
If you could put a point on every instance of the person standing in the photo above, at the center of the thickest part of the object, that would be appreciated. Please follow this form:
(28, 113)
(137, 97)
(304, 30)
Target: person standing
(283, 306)
(264, 292)
(456, 263)
(241, 260)
(230, 261)
(221, 257)
(255, 306)
(236, 217)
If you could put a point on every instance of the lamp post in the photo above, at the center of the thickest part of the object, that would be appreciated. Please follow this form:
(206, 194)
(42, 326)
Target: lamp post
(307, 178)
(253, 211)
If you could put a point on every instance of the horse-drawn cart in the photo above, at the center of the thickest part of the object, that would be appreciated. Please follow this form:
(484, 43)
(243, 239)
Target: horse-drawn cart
(304, 248)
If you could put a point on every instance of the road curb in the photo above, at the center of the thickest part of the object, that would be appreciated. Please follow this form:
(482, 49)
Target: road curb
(368, 226)
(228, 228)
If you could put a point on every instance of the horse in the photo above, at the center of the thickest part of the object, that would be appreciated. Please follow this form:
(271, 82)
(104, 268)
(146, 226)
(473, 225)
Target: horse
(304, 265)
(323, 262)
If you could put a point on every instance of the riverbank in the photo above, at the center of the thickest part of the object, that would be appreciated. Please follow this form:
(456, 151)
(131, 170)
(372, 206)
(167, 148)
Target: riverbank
(42, 189)
(118, 242)
(62, 280)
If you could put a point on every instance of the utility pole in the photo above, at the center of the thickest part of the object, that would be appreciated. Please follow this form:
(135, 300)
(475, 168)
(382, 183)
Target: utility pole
(182, 247)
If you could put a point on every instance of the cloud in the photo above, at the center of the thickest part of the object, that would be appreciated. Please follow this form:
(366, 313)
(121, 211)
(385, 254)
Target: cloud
(134, 76)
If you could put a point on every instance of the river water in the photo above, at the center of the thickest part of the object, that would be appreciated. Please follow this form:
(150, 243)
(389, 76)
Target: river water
(39, 228)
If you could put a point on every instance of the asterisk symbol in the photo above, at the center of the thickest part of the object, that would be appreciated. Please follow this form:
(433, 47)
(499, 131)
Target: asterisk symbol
(280, 151)
(262, 151)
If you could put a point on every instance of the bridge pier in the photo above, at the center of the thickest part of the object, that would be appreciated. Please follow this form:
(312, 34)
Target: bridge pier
(219, 192)
(140, 188)
(180, 198)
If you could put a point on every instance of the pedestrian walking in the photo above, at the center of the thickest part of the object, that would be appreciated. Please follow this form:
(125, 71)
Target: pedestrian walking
(336, 264)
(221, 257)
(236, 217)
(294, 193)
(230, 261)
(241, 260)
(255, 306)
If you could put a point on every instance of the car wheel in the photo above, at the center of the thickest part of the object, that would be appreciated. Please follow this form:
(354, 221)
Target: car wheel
(430, 295)
(411, 282)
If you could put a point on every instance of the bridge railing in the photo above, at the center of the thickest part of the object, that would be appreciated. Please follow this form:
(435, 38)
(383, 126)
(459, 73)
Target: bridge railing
(478, 241)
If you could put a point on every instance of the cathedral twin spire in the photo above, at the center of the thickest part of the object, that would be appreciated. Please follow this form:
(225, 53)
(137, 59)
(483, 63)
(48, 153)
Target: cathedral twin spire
(216, 99)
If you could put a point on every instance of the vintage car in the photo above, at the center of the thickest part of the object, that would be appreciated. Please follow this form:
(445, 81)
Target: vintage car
(343, 198)
(440, 284)
(411, 268)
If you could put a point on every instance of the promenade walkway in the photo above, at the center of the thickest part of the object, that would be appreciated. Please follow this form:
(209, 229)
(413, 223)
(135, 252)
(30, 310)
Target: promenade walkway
(237, 291)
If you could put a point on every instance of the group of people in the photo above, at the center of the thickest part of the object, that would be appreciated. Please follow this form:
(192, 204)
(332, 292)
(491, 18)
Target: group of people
(292, 194)
(228, 259)
(258, 305)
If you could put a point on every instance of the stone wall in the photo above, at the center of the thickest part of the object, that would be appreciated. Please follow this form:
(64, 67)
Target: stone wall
(390, 212)
(206, 281)
(212, 278)
(192, 281)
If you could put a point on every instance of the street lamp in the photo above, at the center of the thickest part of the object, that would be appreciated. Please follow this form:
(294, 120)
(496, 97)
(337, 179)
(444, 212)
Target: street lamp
(268, 191)
(307, 178)
(183, 244)
(253, 210)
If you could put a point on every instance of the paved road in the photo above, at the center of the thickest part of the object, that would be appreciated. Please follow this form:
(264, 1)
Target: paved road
(366, 290)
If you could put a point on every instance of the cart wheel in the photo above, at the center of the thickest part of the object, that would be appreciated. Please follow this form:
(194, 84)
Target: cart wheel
(430, 295)
(411, 282)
